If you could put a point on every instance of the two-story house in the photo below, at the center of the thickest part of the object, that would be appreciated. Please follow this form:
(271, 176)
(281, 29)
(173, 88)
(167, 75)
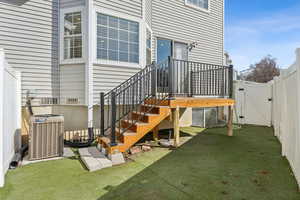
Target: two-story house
(71, 50)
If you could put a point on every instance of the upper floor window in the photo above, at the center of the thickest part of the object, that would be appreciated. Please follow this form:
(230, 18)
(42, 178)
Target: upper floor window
(117, 39)
(203, 4)
(72, 35)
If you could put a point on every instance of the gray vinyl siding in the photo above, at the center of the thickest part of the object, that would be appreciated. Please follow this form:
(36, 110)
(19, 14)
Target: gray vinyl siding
(129, 7)
(29, 36)
(108, 77)
(71, 3)
(105, 77)
(172, 19)
(72, 82)
(148, 12)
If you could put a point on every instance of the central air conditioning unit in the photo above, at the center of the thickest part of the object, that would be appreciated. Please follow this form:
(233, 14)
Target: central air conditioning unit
(46, 137)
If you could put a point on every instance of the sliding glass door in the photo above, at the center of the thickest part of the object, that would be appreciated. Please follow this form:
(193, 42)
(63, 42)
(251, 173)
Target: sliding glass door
(167, 48)
(164, 49)
(180, 70)
(178, 51)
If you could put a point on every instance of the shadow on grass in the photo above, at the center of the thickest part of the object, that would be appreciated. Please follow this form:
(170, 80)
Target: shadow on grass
(214, 166)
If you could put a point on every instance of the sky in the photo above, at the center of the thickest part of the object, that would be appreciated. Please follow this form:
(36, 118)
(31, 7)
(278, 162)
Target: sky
(257, 28)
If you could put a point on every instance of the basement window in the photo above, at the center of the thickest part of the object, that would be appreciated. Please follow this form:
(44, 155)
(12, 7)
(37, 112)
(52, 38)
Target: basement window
(72, 35)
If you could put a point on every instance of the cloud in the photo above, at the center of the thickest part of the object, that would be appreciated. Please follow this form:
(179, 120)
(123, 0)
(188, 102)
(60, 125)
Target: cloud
(278, 34)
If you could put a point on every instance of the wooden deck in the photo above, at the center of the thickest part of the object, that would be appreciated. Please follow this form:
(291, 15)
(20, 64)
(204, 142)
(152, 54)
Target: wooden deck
(150, 120)
(193, 102)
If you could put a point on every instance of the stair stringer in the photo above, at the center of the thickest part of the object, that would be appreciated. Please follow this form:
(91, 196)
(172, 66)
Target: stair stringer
(141, 131)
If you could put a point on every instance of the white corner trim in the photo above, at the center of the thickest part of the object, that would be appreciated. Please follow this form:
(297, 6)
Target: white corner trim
(144, 9)
(2, 58)
(149, 28)
(142, 39)
(197, 7)
(61, 35)
(89, 62)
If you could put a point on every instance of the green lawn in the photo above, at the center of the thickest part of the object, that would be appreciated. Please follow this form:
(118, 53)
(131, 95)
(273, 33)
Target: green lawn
(210, 166)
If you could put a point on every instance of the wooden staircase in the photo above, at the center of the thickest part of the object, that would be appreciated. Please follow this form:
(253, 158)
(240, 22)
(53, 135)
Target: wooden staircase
(149, 116)
(138, 105)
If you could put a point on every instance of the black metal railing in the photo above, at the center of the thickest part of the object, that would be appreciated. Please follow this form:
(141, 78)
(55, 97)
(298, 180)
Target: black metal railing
(117, 106)
(200, 79)
(157, 82)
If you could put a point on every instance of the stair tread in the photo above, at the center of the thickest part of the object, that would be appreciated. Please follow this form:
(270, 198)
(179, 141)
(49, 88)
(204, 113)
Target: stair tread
(127, 132)
(157, 106)
(107, 140)
(136, 122)
(145, 113)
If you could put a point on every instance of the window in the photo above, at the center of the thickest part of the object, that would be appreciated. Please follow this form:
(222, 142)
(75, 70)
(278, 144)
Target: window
(117, 39)
(198, 3)
(148, 48)
(72, 35)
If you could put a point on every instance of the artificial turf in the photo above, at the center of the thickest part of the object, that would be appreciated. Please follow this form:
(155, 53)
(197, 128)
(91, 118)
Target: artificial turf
(209, 166)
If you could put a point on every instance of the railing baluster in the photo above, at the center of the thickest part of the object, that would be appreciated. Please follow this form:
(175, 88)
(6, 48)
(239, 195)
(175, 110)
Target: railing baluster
(170, 75)
(154, 79)
(102, 113)
(113, 119)
(230, 81)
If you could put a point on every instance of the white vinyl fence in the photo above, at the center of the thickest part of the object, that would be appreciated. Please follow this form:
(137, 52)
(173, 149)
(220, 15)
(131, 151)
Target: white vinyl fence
(276, 103)
(286, 113)
(10, 115)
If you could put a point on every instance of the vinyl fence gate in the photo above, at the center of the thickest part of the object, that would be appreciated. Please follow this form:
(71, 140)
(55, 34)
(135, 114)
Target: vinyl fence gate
(253, 103)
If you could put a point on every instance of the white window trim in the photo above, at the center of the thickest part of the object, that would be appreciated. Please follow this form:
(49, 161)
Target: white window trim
(198, 8)
(83, 33)
(151, 43)
(142, 40)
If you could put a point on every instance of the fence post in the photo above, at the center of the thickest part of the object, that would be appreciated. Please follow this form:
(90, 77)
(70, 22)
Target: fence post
(102, 113)
(19, 108)
(230, 85)
(297, 146)
(113, 119)
(154, 79)
(170, 74)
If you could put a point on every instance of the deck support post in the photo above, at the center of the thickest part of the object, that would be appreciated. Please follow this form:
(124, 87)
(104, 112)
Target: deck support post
(176, 127)
(155, 133)
(230, 121)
